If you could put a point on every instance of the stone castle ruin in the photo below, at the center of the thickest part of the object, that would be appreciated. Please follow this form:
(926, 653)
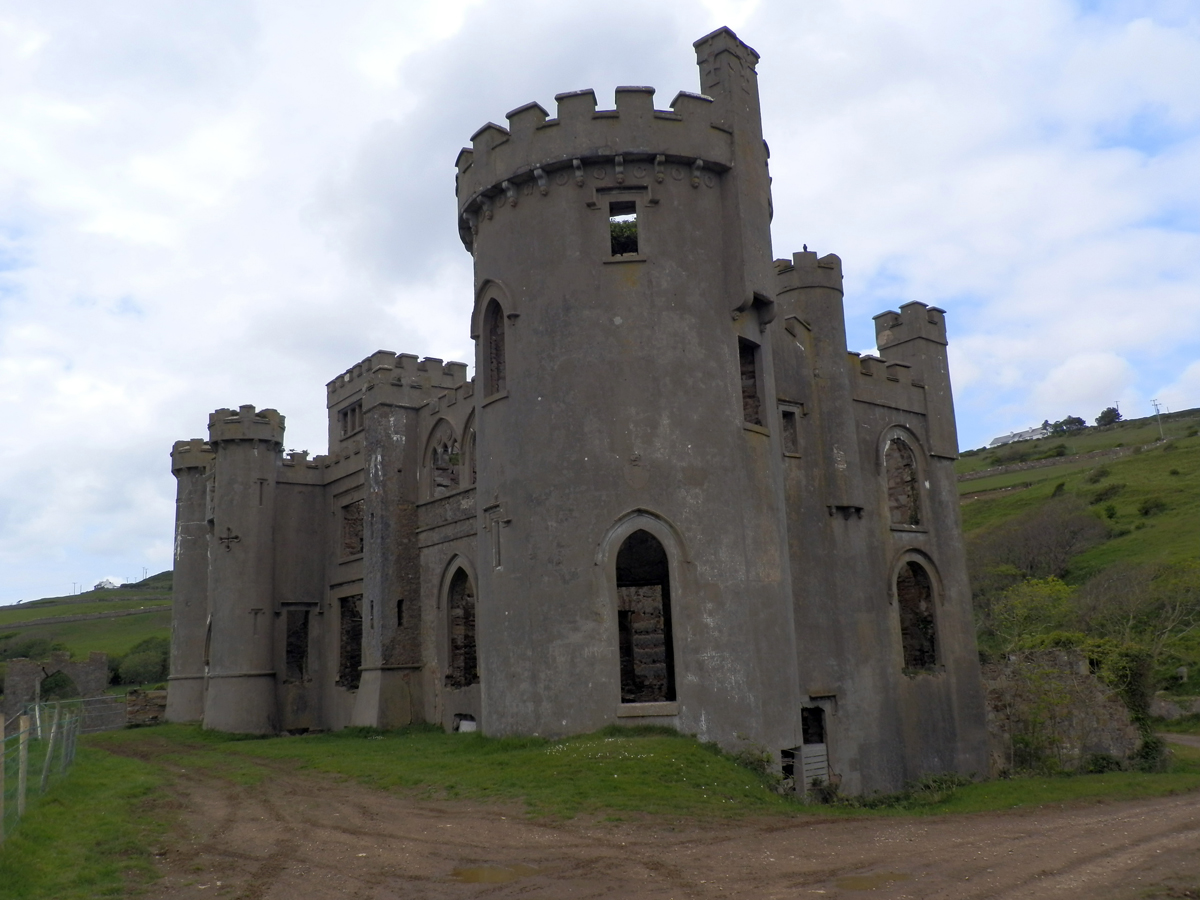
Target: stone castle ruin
(669, 495)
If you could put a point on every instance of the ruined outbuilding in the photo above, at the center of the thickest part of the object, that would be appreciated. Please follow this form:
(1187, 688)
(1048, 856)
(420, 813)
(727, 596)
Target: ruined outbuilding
(669, 495)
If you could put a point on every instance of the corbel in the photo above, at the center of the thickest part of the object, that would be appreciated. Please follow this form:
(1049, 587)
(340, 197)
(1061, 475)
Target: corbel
(697, 167)
(658, 167)
(543, 184)
(619, 167)
(510, 191)
(578, 172)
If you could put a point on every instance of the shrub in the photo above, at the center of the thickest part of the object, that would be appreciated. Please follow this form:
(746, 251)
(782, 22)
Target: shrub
(140, 668)
(1191, 432)
(1099, 763)
(1059, 489)
(1152, 506)
(1110, 512)
(1094, 476)
(1169, 445)
(1107, 493)
(1173, 472)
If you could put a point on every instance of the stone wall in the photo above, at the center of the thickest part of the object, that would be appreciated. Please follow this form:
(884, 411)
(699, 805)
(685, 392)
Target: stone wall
(24, 675)
(1046, 710)
(1165, 706)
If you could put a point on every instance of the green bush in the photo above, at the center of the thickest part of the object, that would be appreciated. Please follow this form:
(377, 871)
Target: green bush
(1094, 476)
(140, 668)
(1107, 493)
(1152, 506)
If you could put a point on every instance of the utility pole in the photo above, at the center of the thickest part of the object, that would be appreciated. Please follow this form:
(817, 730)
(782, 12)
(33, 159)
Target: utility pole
(1158, 418)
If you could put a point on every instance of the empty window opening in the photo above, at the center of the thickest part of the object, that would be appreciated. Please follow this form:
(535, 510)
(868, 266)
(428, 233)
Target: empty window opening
(350, 418)
(296, 645)
(400, 613)
(748, 364)
(791, 432)
(465, 722)
(350, 656)
(623, 227)
(918, 629)
(352, 528)
(469, 446)
(493, 336)
(644, 620)
(814, 751)
(464, 660)
(903, 485)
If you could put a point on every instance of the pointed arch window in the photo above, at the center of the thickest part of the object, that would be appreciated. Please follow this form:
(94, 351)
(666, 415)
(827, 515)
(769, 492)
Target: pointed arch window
(443, 460)
(918, 622)
(463, 669)
(903, 483)
(495, 375)
(644, 620)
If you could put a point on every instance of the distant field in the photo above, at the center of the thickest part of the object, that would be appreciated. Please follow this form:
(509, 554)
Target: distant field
(1154, 495)
(10, 615)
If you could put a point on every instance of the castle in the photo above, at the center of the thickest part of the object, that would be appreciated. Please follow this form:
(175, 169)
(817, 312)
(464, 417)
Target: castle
(668, 496)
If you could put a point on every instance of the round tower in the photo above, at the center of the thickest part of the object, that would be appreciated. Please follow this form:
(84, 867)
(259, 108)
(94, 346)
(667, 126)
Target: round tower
(190, 461)
(632, 541)
(240, 695)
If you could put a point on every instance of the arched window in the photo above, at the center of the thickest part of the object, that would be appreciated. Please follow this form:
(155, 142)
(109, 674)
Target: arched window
(644, 620)
(903, 483)
(444, 460)
(493, 348)
(464, 660)
(918, 625)
(469, 445)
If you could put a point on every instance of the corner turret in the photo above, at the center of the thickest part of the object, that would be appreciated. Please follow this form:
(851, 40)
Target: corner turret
(916, 335)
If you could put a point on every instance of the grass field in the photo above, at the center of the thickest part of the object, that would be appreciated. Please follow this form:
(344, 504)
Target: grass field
(1150, 500)
(96, 833)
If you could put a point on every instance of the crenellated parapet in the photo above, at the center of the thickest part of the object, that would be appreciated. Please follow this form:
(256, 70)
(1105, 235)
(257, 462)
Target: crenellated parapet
(196, 453)
(536, 153)
(915, 320)
(246, 424)
(411, 380)
(463, 393)
(884, 382)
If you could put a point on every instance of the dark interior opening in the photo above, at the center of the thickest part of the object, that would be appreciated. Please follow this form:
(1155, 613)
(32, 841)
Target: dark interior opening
(350, 657)
(495, 376)
(623, 227)
(812, 725)
(644, 620)
(464, 660)
(748, 365)
(918, 628)
(296, 645)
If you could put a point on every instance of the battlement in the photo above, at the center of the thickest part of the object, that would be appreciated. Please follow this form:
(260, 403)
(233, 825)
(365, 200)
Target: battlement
(196, 453)
(245, 424)
(299, 458)
(463, 393)
(915, 320)
(536, 154)
(805, 270)
(881, 369)
(386, 367)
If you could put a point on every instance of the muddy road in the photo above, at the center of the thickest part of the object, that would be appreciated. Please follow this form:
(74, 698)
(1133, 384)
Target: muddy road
(300, 837)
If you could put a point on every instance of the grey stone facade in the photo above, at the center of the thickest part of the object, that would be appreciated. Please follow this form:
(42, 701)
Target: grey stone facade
(668, 496)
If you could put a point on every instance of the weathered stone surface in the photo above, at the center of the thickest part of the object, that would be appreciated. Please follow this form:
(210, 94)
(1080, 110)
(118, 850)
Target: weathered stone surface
(648, 377)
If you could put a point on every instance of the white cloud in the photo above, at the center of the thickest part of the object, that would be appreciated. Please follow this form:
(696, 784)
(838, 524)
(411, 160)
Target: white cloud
(212, 204)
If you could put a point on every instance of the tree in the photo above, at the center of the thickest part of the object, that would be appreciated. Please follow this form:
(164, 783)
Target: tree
(1110, 415)
(1032, 608)
(1066, 426)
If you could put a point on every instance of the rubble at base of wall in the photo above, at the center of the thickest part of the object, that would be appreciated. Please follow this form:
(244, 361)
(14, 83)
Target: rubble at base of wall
(1165, 706)
(1046, 711)
(145, 707)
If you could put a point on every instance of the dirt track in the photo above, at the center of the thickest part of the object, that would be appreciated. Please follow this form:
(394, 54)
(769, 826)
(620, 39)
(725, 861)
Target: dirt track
(304, 838)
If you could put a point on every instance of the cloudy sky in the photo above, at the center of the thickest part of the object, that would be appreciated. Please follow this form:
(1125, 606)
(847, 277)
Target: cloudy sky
(191, 194)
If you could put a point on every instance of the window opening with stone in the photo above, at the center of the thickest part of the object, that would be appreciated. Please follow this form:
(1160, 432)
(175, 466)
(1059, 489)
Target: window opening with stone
(296, 645)
(464, 660)
(352, 528)
(903, 483)
(644, 620)
(748, 367)
(623, 227)
(791, 432)
(495, 376)
(918, 626)
(350, 655)
(445, 460)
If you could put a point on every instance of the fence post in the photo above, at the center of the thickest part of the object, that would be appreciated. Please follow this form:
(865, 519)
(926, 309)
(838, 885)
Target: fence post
(3, 770)
(49, 750)
(22, 762)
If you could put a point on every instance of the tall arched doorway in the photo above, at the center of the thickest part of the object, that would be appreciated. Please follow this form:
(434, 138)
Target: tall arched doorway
(644, 620)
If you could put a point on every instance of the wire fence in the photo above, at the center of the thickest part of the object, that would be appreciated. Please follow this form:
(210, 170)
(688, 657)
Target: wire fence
(36, 750)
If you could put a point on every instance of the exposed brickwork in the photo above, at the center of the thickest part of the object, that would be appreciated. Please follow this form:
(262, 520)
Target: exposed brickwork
(903, 483)
(918, 627)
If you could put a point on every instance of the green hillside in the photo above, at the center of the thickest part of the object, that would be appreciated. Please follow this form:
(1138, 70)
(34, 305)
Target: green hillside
(142, 623)
(1119, 527)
